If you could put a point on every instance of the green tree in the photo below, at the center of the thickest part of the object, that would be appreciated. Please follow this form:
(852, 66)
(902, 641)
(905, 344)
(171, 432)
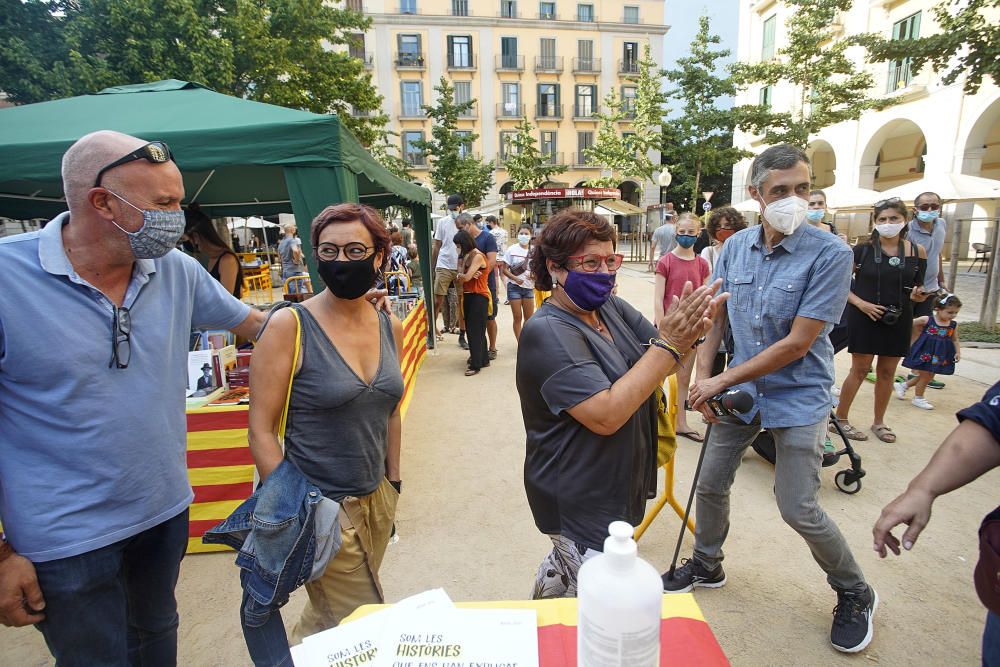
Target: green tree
(830, 88)
(610, 150)
(525, 165)
(450, 171)
(650, 105)
(700, 141)
(969, 43)
(387, 155)
(267, 50)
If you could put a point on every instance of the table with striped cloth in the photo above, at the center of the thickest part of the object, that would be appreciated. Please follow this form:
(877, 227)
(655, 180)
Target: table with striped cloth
(220, 467)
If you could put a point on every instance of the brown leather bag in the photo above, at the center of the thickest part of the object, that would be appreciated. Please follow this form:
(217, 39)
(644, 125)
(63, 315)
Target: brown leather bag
(987, 573)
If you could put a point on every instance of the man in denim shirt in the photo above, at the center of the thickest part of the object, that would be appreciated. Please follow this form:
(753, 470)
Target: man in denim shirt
(788, 283)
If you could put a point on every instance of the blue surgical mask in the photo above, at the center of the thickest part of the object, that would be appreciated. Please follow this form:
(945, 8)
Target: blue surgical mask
(686, 240)
(814, 215)
(159, 234)
(524, 239)
(927, 216)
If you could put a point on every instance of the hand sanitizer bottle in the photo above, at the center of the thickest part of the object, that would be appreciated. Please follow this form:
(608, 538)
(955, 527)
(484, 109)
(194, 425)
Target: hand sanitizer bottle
(619, 599)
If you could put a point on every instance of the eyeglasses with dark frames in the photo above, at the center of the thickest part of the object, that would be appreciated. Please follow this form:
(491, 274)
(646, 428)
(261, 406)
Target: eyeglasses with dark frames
(353, 251)
(156, 152)
(591, 263)
(121, 338)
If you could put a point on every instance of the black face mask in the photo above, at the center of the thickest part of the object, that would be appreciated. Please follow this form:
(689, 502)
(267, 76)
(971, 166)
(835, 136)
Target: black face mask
(350, 279)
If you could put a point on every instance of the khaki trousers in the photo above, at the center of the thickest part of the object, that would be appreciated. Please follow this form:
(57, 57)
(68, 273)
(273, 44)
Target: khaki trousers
(351, 578)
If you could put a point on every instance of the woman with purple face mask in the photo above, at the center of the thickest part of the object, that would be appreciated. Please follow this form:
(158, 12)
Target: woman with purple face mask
(588, 365)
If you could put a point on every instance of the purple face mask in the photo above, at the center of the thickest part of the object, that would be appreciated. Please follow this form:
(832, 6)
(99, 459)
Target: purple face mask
(589, 291)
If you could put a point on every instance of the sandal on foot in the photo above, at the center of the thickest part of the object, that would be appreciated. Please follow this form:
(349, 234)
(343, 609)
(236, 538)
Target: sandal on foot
(470, 373)
(883, 433)
(851, 432)
(691, 435)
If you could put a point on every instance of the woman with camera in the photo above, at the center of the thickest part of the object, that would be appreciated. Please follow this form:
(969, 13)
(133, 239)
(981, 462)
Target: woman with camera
(888, 275)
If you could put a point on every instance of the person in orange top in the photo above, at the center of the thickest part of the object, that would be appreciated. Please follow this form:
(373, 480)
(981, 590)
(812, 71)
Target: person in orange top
(476, 299)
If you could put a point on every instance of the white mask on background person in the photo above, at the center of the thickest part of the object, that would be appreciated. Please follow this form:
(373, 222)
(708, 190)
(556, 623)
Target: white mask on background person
(786, 215)
(890, 229)
(523, 239)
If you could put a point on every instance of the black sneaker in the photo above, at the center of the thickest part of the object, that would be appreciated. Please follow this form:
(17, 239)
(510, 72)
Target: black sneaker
(852, 620)
(690, 575)
(461, 341)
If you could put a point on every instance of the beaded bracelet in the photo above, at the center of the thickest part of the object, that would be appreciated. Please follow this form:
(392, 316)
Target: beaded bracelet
(664, 345)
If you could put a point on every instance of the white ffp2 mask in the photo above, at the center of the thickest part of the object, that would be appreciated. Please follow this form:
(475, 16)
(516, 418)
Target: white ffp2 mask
(786, 215)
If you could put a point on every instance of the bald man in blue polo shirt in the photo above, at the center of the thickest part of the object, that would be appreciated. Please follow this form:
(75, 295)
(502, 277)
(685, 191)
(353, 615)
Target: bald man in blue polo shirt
(96, 311)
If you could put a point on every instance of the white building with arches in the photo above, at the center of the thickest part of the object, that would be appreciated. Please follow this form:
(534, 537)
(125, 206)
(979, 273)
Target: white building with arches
(932, 129)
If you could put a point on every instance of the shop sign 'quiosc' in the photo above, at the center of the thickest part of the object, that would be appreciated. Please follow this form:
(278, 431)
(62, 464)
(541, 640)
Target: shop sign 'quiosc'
(564, 193)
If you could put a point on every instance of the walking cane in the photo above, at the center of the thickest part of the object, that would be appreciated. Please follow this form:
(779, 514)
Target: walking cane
(687, 510)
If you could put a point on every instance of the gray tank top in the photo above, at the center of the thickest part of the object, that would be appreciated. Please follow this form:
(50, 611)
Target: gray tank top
(338, 427)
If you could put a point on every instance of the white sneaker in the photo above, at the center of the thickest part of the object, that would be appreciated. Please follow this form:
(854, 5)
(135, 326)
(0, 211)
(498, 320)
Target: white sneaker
(922, 403)
(900, 389)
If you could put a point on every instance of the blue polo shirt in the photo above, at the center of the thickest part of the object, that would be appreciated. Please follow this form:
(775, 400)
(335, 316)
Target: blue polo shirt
(90, 455)
(807, 274)
(487, 243)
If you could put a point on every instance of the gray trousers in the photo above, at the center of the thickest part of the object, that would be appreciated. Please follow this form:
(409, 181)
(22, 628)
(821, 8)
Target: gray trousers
(799, 456)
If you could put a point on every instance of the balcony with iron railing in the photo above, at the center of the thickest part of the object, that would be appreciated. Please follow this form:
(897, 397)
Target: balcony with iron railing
(628, 66)
(408, 7)
(415, 160)
(545, 110)
(551, 158)
(410, 60)
(586, 65)
(410, 112)
(461, 61)
(585, 112)
(367, 58)
(548, 63)
(580, 161)
(471, 112)
(508, 14)
(510, 63)
(548, 16)
(510, 110)
(585, 17)
(628, 111)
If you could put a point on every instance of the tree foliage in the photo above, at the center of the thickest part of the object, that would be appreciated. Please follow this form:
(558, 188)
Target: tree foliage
(610, 150)
(274, 51)
(969, 43)
(450, 171)
(525, 164)
(815, 63)
(700, 141)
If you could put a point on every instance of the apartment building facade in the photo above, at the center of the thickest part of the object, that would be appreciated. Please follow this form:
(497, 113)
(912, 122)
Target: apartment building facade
(548, 62)
(932, 128)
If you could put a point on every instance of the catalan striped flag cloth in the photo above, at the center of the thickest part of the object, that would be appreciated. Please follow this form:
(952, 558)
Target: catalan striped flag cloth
(220, 467)
(685, 637)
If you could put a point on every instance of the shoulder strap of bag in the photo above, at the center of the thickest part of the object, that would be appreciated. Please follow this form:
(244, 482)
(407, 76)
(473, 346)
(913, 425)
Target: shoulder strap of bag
(283, 422)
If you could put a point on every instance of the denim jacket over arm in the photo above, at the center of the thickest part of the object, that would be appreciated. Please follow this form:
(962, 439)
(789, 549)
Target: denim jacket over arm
(274, 531)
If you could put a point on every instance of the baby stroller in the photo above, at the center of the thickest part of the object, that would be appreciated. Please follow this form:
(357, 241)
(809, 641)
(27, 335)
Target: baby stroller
(848, 481)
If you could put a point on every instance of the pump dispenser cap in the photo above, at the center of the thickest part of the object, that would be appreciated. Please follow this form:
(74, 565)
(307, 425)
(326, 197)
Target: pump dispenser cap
(620, 542)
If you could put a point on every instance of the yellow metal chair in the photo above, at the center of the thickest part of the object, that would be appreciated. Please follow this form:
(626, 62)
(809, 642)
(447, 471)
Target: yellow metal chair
(667, 497)
(303, 288)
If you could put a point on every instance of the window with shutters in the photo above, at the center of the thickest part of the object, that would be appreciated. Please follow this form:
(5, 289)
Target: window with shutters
(465, 143)
(767, 45)
(460, 52)
(546, 10)
(412, 94)
(630, 14)
(508, 9)
(900, 71)
(407, 6)
(548, 100)
(411, 153)
(630, 57)
(548, 147)
(508, 52)
(547, 58)
(585, 13)
(410, 53)
(765, 97)
(628, 101)
(463, 94)
(586, 101)
(459, 7)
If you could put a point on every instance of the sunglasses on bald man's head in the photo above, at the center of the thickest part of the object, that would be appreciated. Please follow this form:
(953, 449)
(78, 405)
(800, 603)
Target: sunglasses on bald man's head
(155, 152)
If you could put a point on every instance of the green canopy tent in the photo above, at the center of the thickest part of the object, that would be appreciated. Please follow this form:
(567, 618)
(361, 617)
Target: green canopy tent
(238, 158)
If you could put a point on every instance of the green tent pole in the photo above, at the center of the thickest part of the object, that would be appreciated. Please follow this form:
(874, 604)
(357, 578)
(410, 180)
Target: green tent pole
(422, 231)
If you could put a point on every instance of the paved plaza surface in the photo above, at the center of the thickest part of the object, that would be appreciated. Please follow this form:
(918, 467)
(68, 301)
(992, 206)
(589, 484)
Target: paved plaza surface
(464, 525)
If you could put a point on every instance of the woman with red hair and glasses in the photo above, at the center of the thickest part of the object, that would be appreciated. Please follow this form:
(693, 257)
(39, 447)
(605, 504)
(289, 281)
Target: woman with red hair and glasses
(588, 365)
(343, 426)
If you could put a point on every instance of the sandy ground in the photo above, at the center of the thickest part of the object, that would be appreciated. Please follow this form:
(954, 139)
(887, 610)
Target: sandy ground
(465, 526)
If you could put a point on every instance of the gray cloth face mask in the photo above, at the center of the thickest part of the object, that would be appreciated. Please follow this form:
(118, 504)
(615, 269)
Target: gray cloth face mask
(159, 234)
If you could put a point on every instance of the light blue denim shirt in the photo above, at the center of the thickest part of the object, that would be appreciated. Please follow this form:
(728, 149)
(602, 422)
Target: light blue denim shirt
(808, 274)
(90, 455)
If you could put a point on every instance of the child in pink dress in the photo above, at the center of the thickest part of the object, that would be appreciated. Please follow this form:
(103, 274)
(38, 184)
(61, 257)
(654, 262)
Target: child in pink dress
(677, 267)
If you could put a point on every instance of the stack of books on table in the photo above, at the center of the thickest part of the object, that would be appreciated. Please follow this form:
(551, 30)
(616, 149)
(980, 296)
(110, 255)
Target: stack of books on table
(426, 630)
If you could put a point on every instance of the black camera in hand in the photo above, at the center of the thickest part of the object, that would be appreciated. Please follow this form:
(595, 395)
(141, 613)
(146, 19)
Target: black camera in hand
(891, 315)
